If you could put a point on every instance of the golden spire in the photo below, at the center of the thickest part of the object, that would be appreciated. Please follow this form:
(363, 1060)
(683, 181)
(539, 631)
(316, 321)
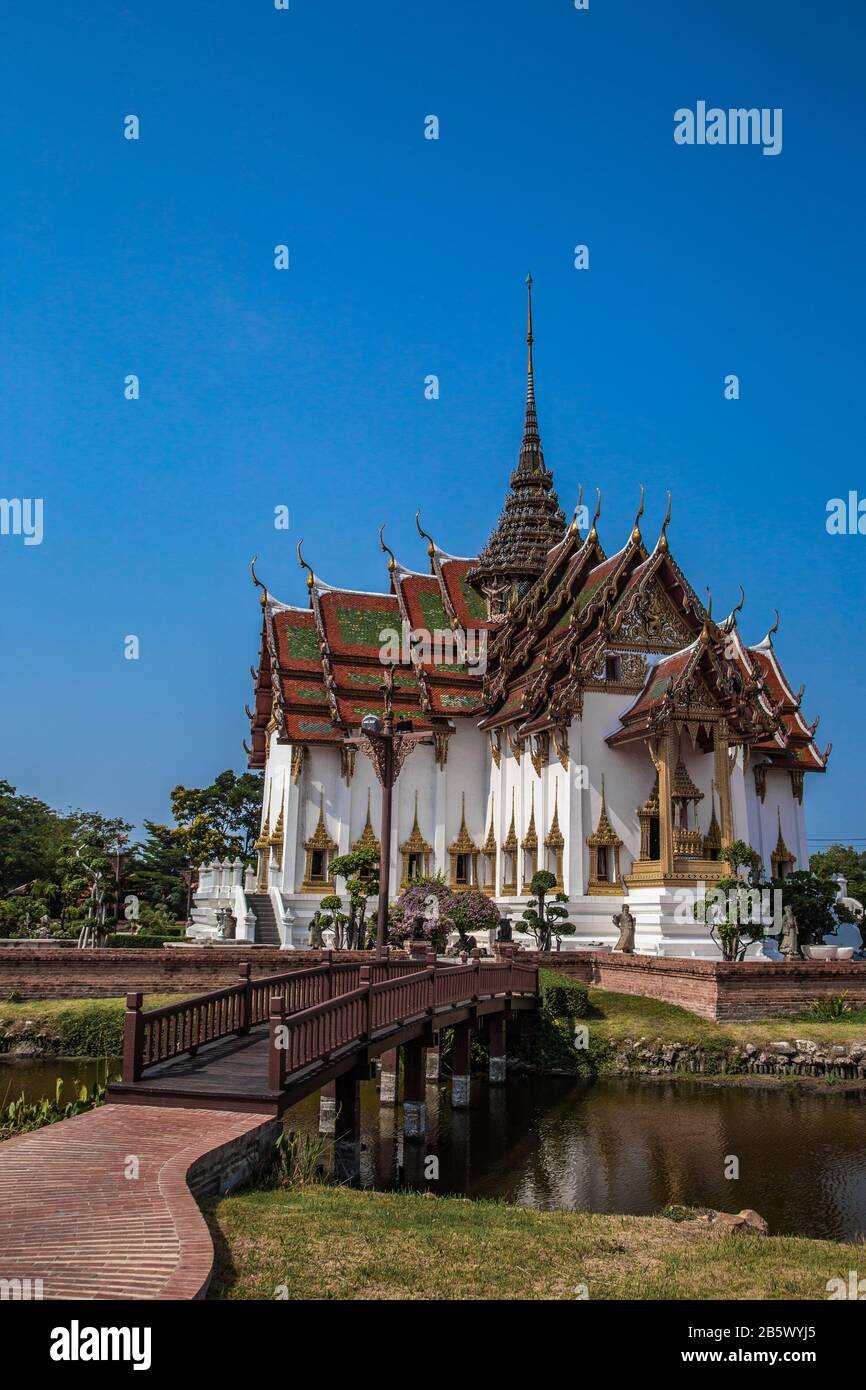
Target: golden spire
(489, 846)
(555, 836)
(367, 839)
(510, 841)
(530, 839)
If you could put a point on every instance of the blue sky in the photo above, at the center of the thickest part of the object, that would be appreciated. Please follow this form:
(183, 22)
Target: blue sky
(306, 387)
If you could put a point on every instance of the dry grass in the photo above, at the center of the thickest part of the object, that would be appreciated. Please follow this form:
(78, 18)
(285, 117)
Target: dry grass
(337, 1243)
(618, 1016)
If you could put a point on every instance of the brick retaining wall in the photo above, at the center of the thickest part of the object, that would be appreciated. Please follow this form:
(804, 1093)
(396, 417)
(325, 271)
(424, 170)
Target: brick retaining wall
(48, 972)
(712, 989)
(715, 989)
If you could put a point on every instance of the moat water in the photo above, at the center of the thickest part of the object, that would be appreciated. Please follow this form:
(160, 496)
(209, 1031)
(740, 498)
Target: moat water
(633, 1147)
(614, 1145)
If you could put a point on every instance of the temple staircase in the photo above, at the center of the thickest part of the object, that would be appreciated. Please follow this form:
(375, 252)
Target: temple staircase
(267, 931)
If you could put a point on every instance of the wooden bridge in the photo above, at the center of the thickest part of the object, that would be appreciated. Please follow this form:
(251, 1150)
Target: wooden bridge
(264, 1043)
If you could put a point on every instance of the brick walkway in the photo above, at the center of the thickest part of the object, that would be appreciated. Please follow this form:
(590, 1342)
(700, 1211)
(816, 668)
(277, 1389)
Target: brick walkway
(71, 1217)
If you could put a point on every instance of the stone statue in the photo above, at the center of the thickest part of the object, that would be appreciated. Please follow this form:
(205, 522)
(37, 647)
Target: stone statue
(315, 937)
(418, 933)
(789, 937)
(625, 925)
(504, 931)
(225, 925)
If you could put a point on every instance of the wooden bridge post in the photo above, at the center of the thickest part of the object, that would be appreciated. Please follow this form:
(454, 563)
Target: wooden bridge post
(496, 1041)
(414, 1108)
(245, 1001)
(276, 1044)
(460, 1075)
(133, 1036)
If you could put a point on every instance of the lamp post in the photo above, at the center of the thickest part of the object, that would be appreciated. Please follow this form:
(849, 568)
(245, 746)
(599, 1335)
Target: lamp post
(387, 744)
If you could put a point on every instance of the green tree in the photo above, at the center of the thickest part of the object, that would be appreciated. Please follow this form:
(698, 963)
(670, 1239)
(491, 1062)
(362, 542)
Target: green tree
(221, 820)
(546, 919)
(360, 869)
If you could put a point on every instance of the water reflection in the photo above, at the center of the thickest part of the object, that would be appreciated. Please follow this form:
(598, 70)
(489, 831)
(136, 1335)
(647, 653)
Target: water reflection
(633, 1146)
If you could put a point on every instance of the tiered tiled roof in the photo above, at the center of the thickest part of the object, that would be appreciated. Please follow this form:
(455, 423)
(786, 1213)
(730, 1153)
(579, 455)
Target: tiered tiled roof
(576, 619)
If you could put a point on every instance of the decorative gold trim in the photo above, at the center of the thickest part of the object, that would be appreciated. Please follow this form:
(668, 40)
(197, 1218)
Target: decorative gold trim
(489, 850)
(529, 845)
(781, 855)
(555, 840)
(760, 774)
(368, 838)
(347, 762)
(440, 747)
(540, 751)
(416, 844)
(508, 888)
(320, 841)
(495, 740)
(797, 782)
(299, 752)
(604, 838)
(466, 847)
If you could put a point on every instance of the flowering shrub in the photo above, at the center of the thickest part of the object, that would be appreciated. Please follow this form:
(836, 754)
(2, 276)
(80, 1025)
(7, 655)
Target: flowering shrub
(474, 913)
(416, 901)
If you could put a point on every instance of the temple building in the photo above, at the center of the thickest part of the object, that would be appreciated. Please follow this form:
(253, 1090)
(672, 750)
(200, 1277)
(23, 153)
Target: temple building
(588, 714)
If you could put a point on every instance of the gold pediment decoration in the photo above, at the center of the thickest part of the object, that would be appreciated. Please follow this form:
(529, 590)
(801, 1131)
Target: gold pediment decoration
(652, 622)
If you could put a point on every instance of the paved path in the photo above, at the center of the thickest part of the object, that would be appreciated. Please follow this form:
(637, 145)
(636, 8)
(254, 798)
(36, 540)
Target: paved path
(71, 1217)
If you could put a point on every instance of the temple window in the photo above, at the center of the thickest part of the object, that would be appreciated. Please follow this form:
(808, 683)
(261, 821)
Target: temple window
(613, 668)
(415, 853)
(318, 850)
(529, 845)
(604, 847)
(463, 853)
(508, 887)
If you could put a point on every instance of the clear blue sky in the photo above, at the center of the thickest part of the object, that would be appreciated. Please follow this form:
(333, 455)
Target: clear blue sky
(305, 387)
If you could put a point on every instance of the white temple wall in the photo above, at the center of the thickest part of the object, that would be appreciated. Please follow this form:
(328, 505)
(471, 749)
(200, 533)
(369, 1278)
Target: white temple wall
(780, 802)
(628, 776)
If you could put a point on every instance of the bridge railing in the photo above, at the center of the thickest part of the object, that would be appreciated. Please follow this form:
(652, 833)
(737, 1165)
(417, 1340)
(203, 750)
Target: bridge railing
(158, 1035)
(315, 1034)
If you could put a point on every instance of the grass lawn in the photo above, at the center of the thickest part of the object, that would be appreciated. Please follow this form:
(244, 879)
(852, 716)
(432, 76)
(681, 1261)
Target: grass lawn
(617, 1016)
(74, 1027)
(339, 1243)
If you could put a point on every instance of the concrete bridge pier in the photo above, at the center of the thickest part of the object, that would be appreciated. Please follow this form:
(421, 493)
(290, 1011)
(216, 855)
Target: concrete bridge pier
(433, 1062)
(414, 1107)
(327, 1108)
(389, 1078)
(460, 1075)
(496, 1048)
(347, 1127)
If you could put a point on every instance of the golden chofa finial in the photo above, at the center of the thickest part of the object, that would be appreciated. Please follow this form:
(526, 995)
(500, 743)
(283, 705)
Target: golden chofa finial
(775, 627)
(311, 578)
(258, 583)
(739, 607)
(575, 529)
(708, 617)
(635, 534)
(593, 533)
(431, 548)
(663, 536)
(392, 563)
